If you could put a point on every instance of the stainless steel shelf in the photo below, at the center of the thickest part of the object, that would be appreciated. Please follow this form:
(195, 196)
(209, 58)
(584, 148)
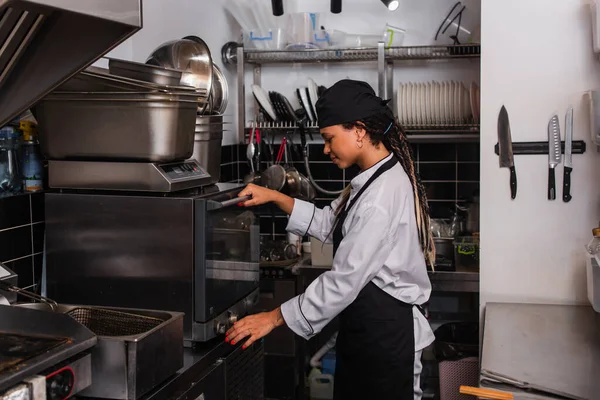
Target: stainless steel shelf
(433, 52)
(310, 56)
(416, 134)
(454, 281)
(362, 54)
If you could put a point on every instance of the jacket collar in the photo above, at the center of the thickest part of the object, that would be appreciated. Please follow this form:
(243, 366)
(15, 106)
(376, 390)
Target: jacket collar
(359, 181)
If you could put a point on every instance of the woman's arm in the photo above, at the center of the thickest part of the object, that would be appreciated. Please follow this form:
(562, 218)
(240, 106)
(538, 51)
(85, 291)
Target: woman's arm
(261, 195)
(305, 218)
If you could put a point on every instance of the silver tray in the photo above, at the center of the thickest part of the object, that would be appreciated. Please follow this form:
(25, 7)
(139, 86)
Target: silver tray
(154, 128)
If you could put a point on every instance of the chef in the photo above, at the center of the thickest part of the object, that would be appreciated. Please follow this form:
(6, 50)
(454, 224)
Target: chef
(379, 228)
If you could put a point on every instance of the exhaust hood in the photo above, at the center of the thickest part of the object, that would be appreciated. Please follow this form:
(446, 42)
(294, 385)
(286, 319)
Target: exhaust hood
(45, 42)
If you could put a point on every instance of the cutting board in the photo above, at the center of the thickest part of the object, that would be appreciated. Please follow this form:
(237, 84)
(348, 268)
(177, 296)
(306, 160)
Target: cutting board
(550, 348)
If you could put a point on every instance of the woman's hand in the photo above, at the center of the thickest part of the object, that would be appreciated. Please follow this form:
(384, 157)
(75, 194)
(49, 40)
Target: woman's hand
(254, 327)
(260, 195)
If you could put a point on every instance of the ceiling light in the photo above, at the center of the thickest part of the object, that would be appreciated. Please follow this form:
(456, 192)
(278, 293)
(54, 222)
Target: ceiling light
(277, 7)
(336, 6)
(392, 5)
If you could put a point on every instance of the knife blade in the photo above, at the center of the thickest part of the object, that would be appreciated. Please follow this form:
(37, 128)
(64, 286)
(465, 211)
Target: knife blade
(568, 156)
(505, 151)
(554, 154)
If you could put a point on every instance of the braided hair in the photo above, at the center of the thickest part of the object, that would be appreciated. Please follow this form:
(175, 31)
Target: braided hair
(381, 128)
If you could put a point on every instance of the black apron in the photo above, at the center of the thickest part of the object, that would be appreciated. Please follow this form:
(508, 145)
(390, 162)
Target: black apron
(375, 347)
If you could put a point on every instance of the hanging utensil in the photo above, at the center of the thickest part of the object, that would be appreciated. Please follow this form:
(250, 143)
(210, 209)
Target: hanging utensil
(505, 150)
(253, 176)
(274, 176)
(568, 156)
(554, 154)
(250, 150)
(292, 178)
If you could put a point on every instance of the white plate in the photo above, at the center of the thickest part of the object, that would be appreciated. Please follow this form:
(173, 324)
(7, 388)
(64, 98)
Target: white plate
(458, 103)
(448, 103)
(435, 102)
(409, 109)
(427, 103)
(466, 104)
(313, 95)
(423, 103)
(403, 109)
(419, 105)
(398, 102)
(472, 99)
(451, 105)
(263, 98)
(306, 104)
(415, 103)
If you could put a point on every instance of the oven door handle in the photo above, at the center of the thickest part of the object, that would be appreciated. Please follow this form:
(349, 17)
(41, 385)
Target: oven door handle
(216, 205)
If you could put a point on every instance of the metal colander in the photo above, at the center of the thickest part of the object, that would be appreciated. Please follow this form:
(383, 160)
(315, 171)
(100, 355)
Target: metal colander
(105, 322)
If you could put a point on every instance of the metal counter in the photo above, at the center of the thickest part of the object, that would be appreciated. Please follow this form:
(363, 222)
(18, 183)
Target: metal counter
(462, 282)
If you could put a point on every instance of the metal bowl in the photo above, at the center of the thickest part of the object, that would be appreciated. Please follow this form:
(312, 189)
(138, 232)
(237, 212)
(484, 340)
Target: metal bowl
(192, 57)
(219, 95)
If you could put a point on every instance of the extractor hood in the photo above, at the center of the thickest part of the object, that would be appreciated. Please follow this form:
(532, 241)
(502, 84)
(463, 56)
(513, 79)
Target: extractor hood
(45, 42)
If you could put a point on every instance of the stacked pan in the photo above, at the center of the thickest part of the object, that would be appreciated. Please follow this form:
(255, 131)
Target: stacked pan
(130, 112)
(208, 137)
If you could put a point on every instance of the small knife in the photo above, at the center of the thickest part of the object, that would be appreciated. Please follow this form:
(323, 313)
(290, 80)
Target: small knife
(554, 154)
(568, 156)
(505, 151)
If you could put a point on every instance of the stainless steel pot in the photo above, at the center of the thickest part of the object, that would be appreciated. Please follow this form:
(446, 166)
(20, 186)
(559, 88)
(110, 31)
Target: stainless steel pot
(207, 151)
(444, 247)
(150, 128)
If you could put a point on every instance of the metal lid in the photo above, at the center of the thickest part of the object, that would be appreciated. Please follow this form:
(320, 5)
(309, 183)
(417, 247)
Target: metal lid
(596, 231)
(48, 41)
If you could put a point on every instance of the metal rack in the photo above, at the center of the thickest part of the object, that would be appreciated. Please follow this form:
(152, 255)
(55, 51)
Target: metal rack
(385, 58)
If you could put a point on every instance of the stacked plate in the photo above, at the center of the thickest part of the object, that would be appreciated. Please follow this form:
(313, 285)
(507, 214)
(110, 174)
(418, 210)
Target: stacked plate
(436, 103)
(276, 107)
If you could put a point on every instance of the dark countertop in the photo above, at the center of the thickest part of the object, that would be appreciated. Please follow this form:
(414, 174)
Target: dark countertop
(441, 281)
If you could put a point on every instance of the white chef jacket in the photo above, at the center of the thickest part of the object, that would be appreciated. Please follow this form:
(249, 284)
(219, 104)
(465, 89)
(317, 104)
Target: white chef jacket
(381, 244)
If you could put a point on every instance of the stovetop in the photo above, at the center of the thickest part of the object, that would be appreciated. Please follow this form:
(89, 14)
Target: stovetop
(17, 348)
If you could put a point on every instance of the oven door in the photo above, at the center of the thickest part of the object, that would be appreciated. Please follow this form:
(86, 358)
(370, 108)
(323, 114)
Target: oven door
(227, 255)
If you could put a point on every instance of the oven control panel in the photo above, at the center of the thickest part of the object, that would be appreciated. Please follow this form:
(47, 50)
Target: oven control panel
(189, 169)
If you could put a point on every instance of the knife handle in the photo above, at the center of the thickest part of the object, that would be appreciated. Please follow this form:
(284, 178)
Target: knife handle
(567, 184)
(513, 183)
(551, 184)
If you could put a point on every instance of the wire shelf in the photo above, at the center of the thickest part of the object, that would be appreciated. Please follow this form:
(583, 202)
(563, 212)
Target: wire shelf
(456, 133)
(433, 52)
(311, 56)
(441, 128)
(363, 54)
(435, 128)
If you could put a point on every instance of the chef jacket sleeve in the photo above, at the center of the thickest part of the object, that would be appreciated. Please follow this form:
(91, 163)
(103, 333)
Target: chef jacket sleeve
(362, 253)
(307, 219)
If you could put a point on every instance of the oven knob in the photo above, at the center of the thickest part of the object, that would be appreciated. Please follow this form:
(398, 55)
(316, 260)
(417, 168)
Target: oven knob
(221, 328)
(233, 318)
(60, 384)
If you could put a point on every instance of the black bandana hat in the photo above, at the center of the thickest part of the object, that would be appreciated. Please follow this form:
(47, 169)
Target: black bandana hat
(348, 101)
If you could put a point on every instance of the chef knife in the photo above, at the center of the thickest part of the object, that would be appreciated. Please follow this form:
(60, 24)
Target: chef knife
(505, 151)
(554, 154)
(568, 156)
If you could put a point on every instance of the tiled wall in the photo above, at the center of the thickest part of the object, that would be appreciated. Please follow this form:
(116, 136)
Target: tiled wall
(450, 172)
(22, 237)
